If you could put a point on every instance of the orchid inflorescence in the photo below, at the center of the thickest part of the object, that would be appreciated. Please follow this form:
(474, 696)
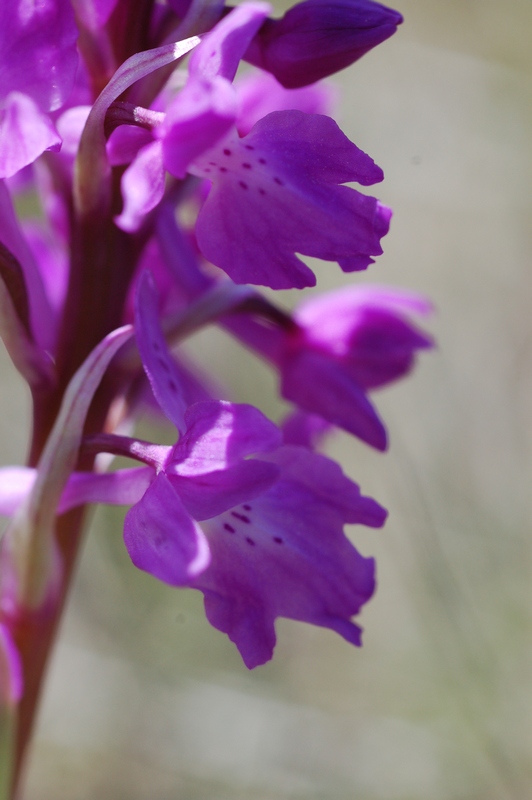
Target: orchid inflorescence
(167, 185)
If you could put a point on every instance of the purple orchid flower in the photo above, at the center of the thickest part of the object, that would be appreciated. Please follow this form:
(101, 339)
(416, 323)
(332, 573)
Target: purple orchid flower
(275, 192)
(271, 543)
(339, 345)
(37, 67)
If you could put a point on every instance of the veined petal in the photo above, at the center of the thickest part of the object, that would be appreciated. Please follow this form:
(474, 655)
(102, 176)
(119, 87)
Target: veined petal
(221, 50)
(142, 187)
(199, 116)
(121, 488)
(162, 538)
(260, 94)
(321, 386)
(25, 133)
(38, 54)
(219, 434)
(163, 375)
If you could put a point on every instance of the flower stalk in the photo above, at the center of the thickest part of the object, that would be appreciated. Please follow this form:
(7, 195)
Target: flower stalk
(166, 200)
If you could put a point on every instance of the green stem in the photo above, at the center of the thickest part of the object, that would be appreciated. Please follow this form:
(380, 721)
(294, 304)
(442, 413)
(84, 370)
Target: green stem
(8, 724)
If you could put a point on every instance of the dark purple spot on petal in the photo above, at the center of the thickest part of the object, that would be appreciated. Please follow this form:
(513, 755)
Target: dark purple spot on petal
(156, 346)
(241, 517)
(277, 540)
(162, 363)
(249, 147)
(223, 169)
(246, 507)
(213, 164)
(242, 184)
(262, 191)
(250, 541)
(172, 386)
(278, 181)
(247, 165)
(227, 152)
(228, 527)
(207, 169)
(262, 160)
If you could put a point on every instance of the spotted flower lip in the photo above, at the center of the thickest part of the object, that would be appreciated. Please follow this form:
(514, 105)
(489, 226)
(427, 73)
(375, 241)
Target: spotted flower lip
(277, 192)
(284, 554)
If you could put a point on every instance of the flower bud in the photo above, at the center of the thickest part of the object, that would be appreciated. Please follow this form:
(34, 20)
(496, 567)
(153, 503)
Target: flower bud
(314, 39)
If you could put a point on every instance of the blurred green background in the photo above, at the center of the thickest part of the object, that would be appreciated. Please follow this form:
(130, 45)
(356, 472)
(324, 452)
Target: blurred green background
(146, 700)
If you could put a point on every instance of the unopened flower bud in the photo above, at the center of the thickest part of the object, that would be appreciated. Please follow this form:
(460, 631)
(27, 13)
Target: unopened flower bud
(314, 39)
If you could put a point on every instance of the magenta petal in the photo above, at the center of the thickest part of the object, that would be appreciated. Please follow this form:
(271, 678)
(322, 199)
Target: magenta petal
(304, 429)
(200, 115)
(219, 434)
(123, 487)
(321, 386)
(38, 54)
(125, 142)
(245, 621)
(142, 187)
(260, 94)
(368, 330)
(163, 539)
(207, 495)
(25, 133)
(222, 48)
(163, 375)
(284, 554)
(324, 478)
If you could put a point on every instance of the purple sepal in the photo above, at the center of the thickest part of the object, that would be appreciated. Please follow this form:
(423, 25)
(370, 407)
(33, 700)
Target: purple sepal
(318, 384)
(162, 373)
(260, 94)
(222, 48)
(125, 142)
(163, 539)
(219, 435)
(316, 38)
(200, 115)
(367, 331)
(285, 555)
(142, 187)
(25, 133)
(38, 54)
(304, 429)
